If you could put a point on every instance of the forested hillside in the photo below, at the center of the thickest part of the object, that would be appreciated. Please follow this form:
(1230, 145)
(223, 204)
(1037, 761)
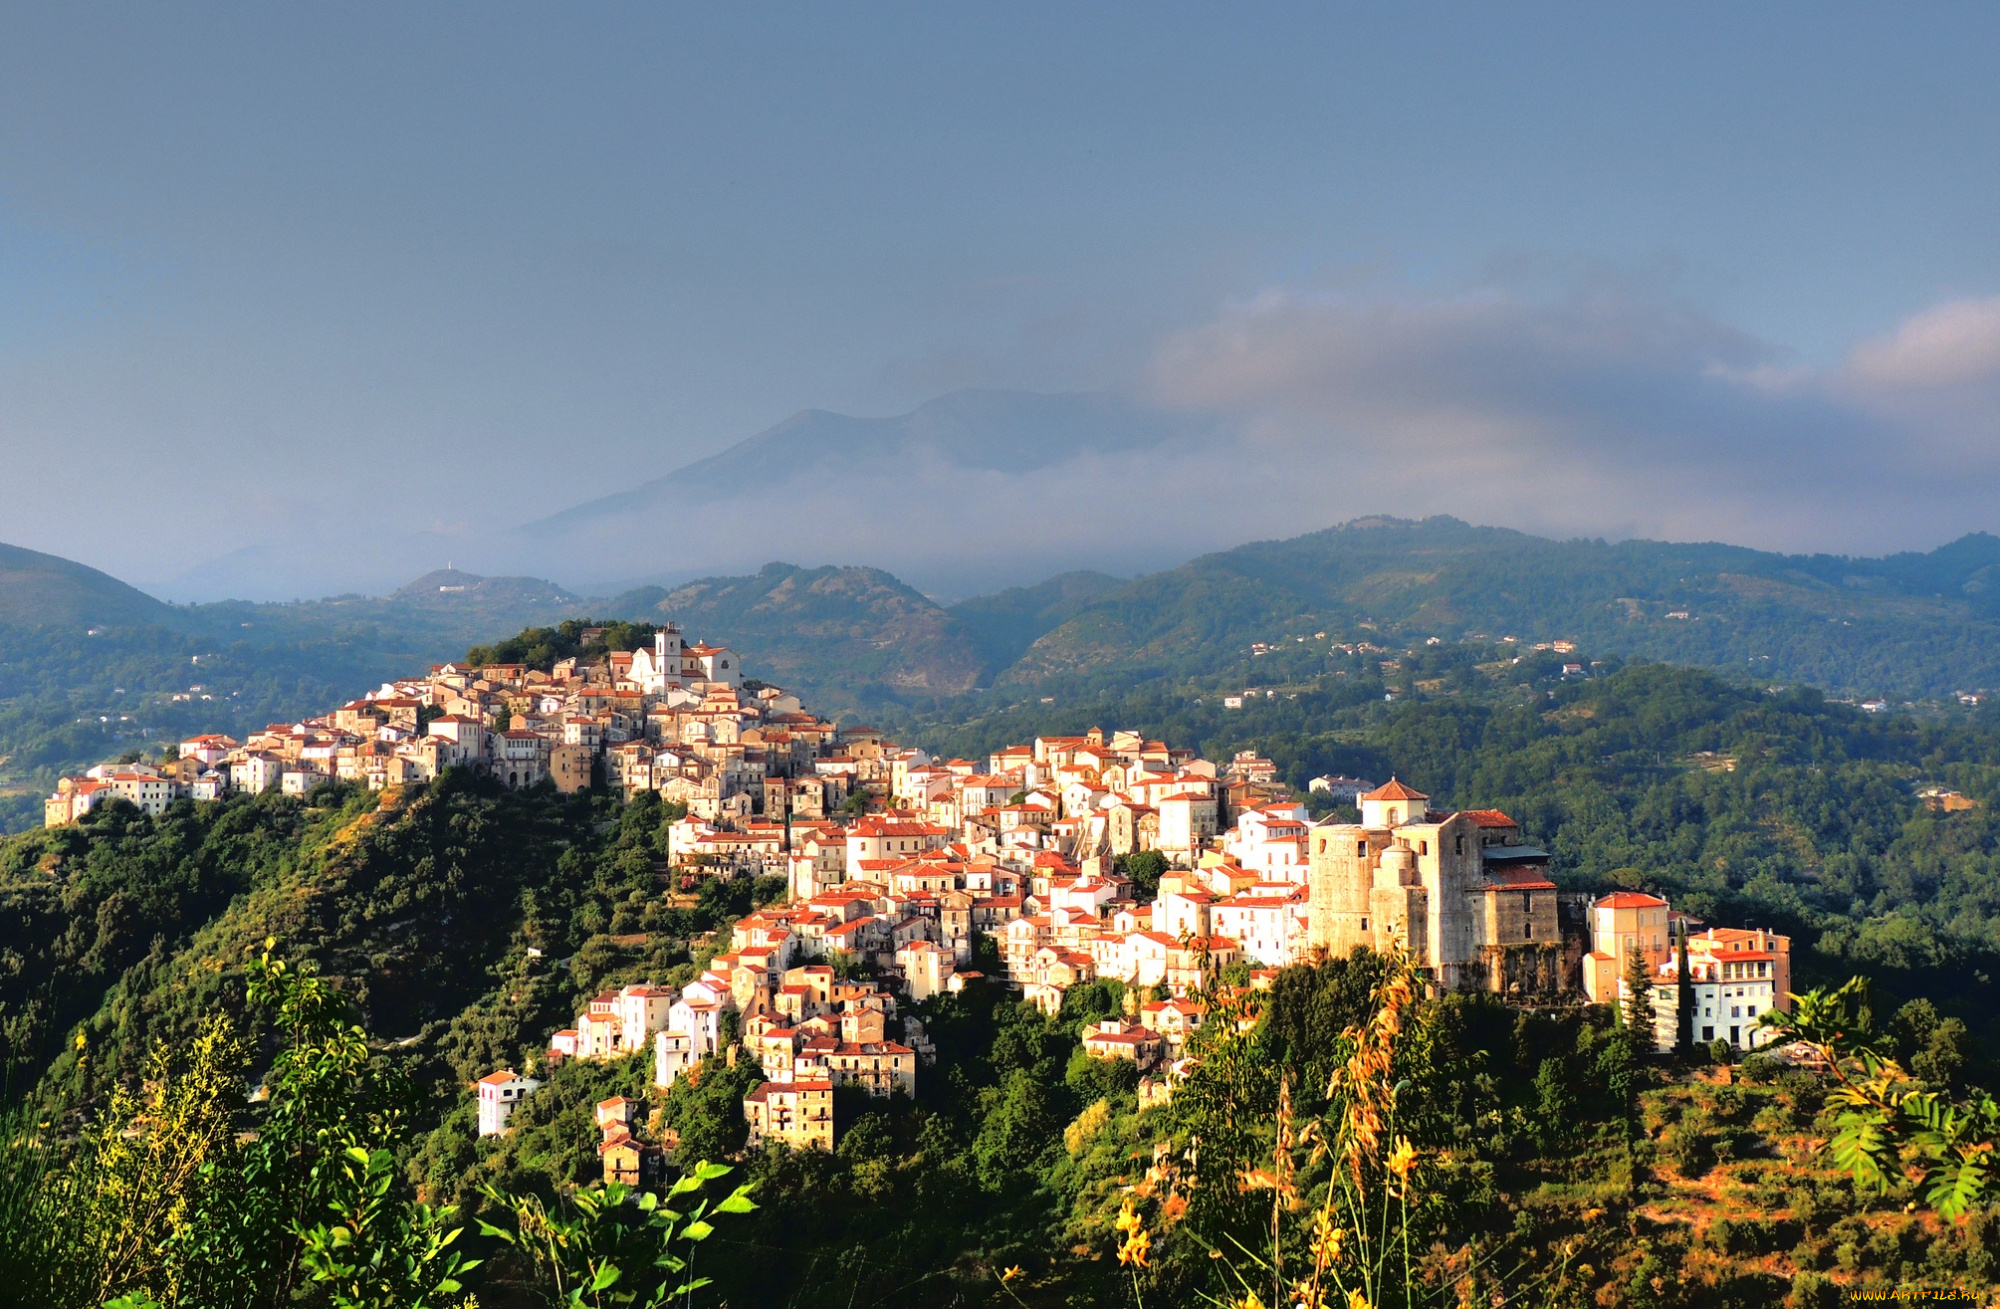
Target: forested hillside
(1543, 1154)
(846, 636)
(1906, 625)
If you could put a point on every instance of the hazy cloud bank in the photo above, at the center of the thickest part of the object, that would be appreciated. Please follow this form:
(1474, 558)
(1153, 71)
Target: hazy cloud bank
(1607, 411)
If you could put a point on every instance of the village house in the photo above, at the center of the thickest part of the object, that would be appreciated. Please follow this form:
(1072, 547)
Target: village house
(794, 1114)
(499, 1095)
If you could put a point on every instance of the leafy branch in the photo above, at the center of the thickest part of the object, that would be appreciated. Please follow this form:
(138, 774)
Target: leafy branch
(1885, 1114)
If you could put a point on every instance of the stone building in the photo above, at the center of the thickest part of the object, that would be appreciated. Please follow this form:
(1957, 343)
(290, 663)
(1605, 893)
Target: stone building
(1461, 892)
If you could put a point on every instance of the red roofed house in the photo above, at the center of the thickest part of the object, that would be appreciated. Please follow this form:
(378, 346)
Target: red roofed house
(1622, 925)
(1118, 1040)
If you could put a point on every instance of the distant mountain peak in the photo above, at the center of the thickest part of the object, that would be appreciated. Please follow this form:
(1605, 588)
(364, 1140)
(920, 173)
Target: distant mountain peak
(975, 430)
(445, 583)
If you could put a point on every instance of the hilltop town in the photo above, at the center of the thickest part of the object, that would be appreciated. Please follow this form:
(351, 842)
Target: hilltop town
(1045, 866)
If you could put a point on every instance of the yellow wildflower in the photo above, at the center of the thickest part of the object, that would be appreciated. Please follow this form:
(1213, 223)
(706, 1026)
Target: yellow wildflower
(1356, 1300)
(1011, 1274)
(1135, 1249)
(1402, 1159)
(1328, 1238)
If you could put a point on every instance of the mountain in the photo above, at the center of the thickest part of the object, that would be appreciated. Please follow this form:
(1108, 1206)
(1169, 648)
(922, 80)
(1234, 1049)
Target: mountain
(844, 634)
(979, 431)
(41, 590)
(1002, 626)
(1908, 624)
(455, 590)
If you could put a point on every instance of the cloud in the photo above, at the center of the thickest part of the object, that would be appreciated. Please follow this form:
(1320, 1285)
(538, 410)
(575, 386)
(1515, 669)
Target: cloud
(1604, 411)
(1607, 411)
(1955, 344)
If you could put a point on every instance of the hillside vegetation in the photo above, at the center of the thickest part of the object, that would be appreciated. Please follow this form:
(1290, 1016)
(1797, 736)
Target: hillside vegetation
(845, 635)
(1546, 1156)
(1907, 625)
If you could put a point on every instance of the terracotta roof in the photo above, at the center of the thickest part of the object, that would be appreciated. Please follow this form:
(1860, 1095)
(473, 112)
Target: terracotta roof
(1517, 879)
(1629, 900)
(1489, 817)
(1395, 790)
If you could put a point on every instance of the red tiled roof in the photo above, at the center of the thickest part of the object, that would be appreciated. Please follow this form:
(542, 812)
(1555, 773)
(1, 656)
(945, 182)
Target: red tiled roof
(1629, 900)
(1517, 879)
(1489, 817)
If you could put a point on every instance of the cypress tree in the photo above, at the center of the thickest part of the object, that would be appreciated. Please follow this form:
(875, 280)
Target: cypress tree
(1684, 1028)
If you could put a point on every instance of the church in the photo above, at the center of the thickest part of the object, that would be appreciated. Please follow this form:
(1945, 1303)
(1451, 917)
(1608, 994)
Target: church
(1461, 893)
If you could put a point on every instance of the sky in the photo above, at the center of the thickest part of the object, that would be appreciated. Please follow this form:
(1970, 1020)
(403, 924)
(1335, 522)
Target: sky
(300, 299)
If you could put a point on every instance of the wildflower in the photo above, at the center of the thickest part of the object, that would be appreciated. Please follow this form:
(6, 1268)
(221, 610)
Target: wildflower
(1249, 1300)
(1010, 1274)
(1135, 1249)
(1402, 1159)
(1328, 1240)
(1356, 1300)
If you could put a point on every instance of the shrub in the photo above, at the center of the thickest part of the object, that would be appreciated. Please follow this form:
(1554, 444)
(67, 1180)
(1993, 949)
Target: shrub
(1761, 1069)
(1688, 1148)
(1814, 1291)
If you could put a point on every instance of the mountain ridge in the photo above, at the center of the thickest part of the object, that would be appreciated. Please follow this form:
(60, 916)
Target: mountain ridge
(981, 430)
(41, 590)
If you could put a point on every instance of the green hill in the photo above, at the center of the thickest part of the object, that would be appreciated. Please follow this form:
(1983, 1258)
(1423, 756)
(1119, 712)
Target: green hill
(1004, 625)
(1906, 625)
(43, 591)
(845, 635)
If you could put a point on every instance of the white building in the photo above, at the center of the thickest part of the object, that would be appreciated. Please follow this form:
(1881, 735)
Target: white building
(642, 1011)
(672, 1053)
(499, 1093)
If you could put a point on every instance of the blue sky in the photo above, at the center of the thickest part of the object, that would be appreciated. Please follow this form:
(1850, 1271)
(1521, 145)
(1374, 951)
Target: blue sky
(252, 258)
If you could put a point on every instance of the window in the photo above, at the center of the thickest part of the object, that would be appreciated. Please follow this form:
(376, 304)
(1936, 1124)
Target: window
(1527, 903)
(1361, 849)
(1708, 1033)
(1736, 1011)
(1364, 924)
(1735, 1039)
(1753, 1011)
(1461, 843)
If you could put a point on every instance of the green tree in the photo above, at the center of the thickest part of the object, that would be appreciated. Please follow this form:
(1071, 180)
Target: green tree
(609, 1247)
(1555, 1102)
(1018, 1128)
(1882, 1110)
(1638, 1012)
(1145, 868)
